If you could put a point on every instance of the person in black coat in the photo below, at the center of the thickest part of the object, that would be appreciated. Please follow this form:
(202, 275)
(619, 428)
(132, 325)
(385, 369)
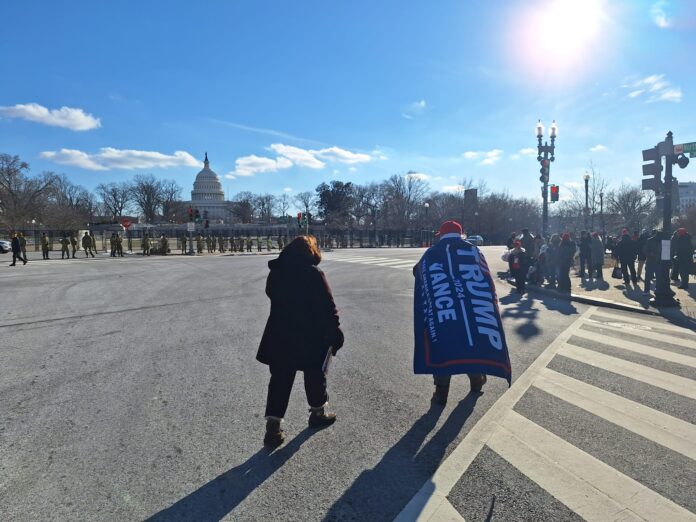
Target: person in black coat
(566, 257)
(17, 250)
(626, 252)
(302, 327)
(585, 254)
(683, 252)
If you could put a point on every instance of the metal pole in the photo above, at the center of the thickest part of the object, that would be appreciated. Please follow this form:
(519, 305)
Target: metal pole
(587, 202)
(601, 212)
(664, 295)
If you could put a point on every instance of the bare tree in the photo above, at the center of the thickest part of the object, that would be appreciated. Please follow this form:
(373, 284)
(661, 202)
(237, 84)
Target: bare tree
(265, 204)
(69, 206)
(634, 206)
(306, 201)
(115, 197)
(22, 198)
(244, 207)
(283, 204)
(146, 192)
(170, 196)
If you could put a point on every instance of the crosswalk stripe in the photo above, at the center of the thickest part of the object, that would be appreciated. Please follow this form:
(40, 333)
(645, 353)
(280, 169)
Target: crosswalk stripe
(670, 432)
(592, 489)
(646, 334)
(657, 353)
(621, 319)
(638, 372)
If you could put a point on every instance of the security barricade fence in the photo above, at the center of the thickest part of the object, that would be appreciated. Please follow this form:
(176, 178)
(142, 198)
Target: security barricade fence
(263, 238)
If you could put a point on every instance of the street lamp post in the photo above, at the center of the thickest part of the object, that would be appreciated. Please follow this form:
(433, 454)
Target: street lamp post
(33, 234)
(601, 213)
(545, 157)
(427, 236)
(476, 215)
(586, 210)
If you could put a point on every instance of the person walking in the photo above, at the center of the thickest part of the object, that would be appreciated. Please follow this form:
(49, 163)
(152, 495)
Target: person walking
(596, 256)
(585, 254)
(626, 253)
(87, 245)
(17, 250)
(518, 261)
(23, 244)
(112, 244)
(45, 245)
(651, 251)
(303, 327)
(73, 244)
(64, 247)
(640, 249)
(566, 256)
(119, 245)
(683, 253)
(95, 250)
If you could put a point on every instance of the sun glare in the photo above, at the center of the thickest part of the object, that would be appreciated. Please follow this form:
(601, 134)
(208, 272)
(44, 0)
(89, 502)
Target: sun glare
(558, 35)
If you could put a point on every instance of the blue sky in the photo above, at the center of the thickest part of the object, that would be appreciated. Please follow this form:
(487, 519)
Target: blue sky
(284, 95)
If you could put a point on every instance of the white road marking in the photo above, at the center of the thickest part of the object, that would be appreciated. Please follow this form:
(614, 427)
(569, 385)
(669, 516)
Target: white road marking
(668, 431)
(638, 372)
(634, 347)
(622, 319)
(645, 333)
(592, 489)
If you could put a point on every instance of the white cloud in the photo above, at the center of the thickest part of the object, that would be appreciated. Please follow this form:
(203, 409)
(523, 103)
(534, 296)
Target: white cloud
(492, 157)
(66, 117)
(298, 156)
(342, 156)
(528, 151)
(655, 88)
(418, 175)
(336, 172)
(287, 189)
(453, 188)
(413, 109)
(352, 169)
(657, 12)
(573, 184)
(250, 165)
(110, 158)
(470, 154)
(515, 157)
(598, 148)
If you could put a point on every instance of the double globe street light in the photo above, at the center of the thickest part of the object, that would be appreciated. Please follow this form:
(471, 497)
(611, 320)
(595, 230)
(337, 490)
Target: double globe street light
(545, 157)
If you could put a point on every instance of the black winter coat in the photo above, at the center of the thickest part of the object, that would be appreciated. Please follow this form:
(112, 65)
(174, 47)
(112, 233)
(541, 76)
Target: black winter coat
(304, 322)
(683, 249)
(626, 250)
(16, 245)
(566, 254)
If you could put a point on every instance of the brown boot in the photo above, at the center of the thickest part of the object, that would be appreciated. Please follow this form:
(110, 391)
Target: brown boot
(274, 435)
(319, 418)
(440, 395)
(477, 382)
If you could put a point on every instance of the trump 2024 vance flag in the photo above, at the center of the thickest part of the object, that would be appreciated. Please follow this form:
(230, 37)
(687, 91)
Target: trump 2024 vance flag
(457, 324)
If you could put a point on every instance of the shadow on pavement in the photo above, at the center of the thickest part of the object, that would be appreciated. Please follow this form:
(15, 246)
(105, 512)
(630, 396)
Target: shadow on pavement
(526, 311)
(381, 493)
(214, 500)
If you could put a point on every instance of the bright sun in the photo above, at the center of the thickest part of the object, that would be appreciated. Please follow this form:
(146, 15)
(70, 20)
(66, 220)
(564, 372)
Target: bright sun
(558, 35)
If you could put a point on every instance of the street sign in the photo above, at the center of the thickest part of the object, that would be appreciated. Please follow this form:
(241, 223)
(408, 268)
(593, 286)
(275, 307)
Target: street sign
(190, 227)
(683, 148)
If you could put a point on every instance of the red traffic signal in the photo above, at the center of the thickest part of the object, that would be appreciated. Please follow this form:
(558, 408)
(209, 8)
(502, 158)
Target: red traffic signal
(545, 163)
(554, 193)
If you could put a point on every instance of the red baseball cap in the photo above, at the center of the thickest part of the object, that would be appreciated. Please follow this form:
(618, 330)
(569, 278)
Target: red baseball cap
(449, 227)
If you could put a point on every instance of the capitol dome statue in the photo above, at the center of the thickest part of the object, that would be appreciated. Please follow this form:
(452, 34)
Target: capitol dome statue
(207, 195)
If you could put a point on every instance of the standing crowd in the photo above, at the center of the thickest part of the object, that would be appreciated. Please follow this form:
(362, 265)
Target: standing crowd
(636, 257)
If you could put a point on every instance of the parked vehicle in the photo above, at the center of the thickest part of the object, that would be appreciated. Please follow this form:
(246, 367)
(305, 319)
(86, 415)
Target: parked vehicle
(5, 246)
(476, 240)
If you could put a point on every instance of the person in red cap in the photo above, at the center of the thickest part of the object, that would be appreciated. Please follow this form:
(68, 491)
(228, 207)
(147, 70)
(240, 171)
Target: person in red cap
(683, 251)
(518, 259)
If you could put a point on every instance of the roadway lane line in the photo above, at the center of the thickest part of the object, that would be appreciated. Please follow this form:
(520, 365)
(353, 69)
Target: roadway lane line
(646, 334)
(663, 429)
(638, 372)
(621, 320)
(631, 346)
(426, 502)
(592, 489)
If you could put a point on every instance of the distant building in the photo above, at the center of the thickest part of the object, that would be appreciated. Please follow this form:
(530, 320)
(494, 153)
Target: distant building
(208, 197)
(687, 195)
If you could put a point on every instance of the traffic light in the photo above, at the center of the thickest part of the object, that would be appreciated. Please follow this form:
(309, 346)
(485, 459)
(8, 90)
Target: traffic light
(544, 170)
(682, 161)
(653, 169)
(207, 223)
(198, 216)
(554, 193)
(190, 213)
(299, 219)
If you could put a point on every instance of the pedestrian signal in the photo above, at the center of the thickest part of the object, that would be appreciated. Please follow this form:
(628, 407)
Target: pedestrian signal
(554, 193)
(198, 216)
(190, 213)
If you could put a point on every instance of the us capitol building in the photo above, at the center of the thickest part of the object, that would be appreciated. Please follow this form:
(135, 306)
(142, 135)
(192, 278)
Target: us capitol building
(208, 197)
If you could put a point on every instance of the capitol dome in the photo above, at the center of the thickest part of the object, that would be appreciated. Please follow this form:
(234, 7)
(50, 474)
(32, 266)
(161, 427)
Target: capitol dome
(207, 187)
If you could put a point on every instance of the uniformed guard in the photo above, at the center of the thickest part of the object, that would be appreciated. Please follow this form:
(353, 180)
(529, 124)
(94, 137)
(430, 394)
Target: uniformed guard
(112, 244)
(23, 243)
(94, 242)
(199, 243)
(44, 245)
(146, 244)
(87, 245)
(249, 243)
(73, 243)
(268, 243)
(164, 245)
(183, 244)
(64, 244)
(221, 242)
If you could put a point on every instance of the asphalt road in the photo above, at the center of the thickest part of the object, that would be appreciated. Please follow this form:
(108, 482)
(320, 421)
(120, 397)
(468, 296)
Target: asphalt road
(129, 390)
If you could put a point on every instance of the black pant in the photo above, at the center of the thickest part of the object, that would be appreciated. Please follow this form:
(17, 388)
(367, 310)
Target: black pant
(16, 256)
(585, 260)
(627, 266)
(650, 273)
(280, 386)
(520, 279)
(564, 279)
(683, 267)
